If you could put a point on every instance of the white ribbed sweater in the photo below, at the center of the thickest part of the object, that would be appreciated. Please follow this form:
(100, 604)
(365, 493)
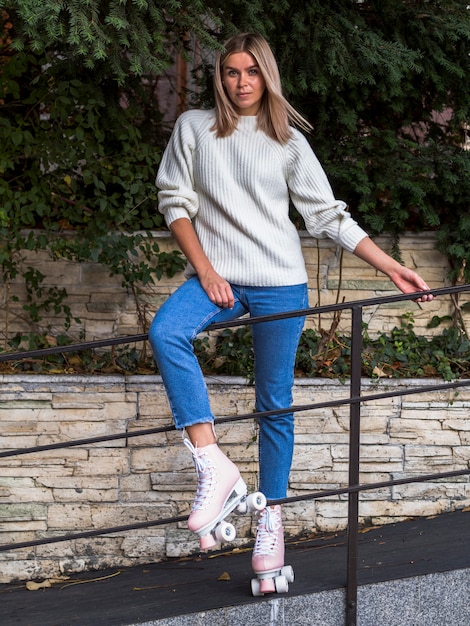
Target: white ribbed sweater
(236, 192)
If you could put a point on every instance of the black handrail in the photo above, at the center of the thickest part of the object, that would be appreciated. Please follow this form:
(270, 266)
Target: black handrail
(85, 534)
(355, 400)
(319, 310)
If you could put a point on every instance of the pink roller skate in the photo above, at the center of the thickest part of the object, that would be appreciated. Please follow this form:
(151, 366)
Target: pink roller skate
(220, 490)
(268, 555)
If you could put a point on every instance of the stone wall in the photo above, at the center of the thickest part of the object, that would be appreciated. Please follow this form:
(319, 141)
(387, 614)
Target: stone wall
(131, 480)
(107, 310)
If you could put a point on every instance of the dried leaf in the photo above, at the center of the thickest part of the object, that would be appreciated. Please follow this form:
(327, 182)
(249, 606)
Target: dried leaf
(378, 371)
(45, 584)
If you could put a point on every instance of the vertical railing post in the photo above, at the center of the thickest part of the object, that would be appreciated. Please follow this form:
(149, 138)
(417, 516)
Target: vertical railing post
(354, 460)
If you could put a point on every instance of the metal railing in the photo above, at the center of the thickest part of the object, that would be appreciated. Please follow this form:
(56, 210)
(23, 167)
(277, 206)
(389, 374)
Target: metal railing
(355, 400)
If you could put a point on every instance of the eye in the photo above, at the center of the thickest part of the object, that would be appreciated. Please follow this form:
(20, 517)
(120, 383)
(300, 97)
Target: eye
(231, 72)
(253, 71)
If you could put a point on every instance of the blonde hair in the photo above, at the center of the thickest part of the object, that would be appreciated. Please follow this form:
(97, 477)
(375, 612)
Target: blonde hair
(275, 113)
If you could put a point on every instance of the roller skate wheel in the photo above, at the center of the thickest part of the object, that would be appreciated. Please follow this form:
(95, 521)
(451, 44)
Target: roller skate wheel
(225, 532)
(288, 572)
(282, 586)
(256, 588)
(256, 501)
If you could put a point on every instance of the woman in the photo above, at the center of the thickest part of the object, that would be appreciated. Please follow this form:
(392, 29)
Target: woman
(225, 182)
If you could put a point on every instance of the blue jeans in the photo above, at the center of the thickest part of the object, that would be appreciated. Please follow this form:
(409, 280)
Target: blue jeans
(188, 312)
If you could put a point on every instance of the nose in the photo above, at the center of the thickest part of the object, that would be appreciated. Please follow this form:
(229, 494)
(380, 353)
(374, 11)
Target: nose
(241, 78)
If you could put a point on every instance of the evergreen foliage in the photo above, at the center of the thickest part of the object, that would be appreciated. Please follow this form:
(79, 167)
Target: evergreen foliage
(398, 354)
(384, 82)
(78, 162)
(132, 37)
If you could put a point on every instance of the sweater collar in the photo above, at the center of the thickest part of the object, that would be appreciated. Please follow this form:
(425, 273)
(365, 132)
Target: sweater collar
(248, 122)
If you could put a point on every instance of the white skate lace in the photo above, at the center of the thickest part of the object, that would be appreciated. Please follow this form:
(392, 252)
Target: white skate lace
(205, 477)
(266, 533)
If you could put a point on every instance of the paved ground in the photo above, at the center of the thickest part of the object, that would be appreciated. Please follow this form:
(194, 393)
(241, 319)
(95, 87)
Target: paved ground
(157, 591)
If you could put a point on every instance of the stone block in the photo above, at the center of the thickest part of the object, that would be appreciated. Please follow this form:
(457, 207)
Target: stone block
(139, 479)
(22, 511)
(104, 462)
(135, 482)
(69, 516)
(180, 542)
(381, 454)
(148, 548)
(22, 531)
(165, 459)
(317, 480)
(173, 482)
(21, 569)
(128, 514)
(403, 508)
(154, 404)
(433, 491)
(312, 457)
(462, 454)
(456, 424)
(26, 494)
(418, 432)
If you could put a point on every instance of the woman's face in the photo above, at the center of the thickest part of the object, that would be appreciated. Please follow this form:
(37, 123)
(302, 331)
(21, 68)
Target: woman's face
(243, 82)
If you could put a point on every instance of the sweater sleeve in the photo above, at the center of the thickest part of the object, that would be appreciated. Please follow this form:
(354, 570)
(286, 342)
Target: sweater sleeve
(311, 194)
(177, 197)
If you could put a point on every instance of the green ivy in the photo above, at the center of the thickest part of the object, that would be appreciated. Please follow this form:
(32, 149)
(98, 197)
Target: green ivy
(400, 354)
(384, 83)
(229, 353)
(77, 177)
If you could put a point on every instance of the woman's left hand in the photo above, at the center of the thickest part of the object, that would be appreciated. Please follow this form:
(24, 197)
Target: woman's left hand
(409, 281)
(405, 279)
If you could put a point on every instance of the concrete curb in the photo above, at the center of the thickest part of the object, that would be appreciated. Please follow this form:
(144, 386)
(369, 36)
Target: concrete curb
(440, 599)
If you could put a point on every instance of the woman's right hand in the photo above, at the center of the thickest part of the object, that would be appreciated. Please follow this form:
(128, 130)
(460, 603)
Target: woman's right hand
(217, 288)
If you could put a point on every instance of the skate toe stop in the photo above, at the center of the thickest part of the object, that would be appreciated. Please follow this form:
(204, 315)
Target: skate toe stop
(267, 585)
(207, 541)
